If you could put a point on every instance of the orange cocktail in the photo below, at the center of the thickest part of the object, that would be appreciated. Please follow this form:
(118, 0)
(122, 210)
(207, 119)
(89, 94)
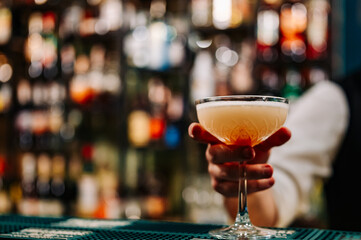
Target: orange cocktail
(242, 121)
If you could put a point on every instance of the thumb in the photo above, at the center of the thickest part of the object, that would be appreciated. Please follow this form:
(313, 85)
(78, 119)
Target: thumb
(198, 133)
(277, 139)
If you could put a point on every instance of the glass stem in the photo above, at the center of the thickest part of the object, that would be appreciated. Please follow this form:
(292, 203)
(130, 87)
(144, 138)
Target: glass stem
(242, 215)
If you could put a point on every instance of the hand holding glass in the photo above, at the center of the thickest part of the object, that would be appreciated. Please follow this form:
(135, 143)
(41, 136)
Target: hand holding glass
(244, 121)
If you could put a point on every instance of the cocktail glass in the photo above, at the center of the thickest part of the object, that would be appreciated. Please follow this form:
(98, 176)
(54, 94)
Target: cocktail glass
(242, 120)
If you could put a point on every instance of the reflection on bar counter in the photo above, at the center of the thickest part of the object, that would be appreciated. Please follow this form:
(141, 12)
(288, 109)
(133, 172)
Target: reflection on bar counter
(96, 97)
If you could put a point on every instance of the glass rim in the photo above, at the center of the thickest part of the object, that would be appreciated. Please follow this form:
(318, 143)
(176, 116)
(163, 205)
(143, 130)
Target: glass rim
(263, 98)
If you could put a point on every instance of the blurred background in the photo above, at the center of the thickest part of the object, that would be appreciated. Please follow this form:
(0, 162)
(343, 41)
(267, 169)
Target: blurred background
(96, 95)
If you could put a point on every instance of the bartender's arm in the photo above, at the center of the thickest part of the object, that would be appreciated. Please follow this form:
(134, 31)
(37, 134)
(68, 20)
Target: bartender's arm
(222, 167)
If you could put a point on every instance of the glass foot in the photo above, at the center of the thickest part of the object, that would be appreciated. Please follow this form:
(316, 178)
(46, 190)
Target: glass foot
(240, 232)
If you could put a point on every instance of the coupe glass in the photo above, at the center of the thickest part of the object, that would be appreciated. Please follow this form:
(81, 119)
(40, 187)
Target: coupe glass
(242, 120)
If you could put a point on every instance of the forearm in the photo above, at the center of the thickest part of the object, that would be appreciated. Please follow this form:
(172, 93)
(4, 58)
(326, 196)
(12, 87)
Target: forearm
(261, 206)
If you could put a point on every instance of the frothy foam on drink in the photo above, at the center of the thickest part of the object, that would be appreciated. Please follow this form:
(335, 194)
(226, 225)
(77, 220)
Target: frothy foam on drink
(229, 103)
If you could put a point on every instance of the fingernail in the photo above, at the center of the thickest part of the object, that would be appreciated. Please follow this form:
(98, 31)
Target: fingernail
(267, 170)
(190, 133)
(194, 131)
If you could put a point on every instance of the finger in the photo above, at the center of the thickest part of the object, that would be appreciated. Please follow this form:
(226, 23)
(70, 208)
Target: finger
(230, 188)
(224, 172)
(226, 188)
(259, 185)
(277, 139)
(197, 132)
(259, 171)
(230, 172)
(221, 153)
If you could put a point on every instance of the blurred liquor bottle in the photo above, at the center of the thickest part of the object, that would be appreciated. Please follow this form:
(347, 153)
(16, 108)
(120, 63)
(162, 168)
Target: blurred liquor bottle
(293, 25)
(87, 185)
(41, 46)
(28, 203)
(318, 34)
(58, 187)
(153, 182)
(5, 22)
(268, 31)
(201, 13)
(202, 77)
(73, 174)
(130, 186)
(156, 41)
(221, 14)
(203, 204)
(270, 80)
(152, 185)
(49, 186)
(295, 83)
(97, 189)
(108, 173)
(6, 204)
(43, 176)
(6, 83)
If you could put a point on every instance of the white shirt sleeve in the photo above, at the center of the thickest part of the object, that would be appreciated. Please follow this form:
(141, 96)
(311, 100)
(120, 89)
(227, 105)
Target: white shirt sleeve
(318, 121)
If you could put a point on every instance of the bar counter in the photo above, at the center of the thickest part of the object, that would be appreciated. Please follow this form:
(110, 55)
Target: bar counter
(68, 228)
